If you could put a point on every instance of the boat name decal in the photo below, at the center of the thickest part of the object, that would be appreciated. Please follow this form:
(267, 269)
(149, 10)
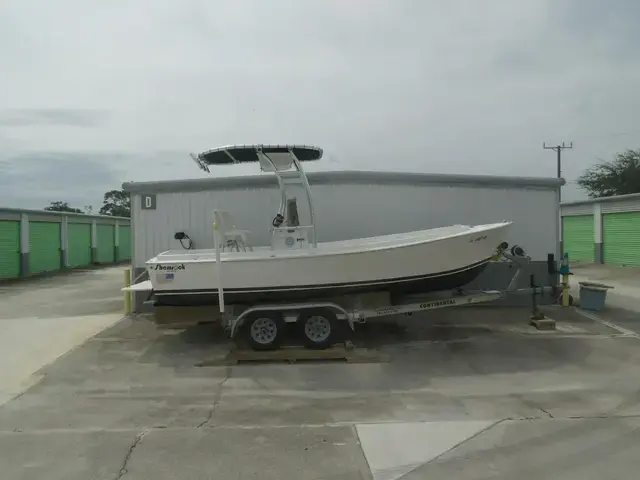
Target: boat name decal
(170, 268)
(477, 239)
(438, 303)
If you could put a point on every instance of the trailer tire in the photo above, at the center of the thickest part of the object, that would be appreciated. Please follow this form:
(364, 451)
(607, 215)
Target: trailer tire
(264, 330)
(318, 328)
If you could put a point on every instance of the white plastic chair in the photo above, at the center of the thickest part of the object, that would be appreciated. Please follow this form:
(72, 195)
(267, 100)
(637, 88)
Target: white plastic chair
(229, 235)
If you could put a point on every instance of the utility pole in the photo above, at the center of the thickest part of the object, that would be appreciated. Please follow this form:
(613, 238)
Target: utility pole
(558, 149)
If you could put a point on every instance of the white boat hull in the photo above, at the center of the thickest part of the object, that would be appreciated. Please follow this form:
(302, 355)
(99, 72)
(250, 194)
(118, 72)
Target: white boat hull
(423, 261)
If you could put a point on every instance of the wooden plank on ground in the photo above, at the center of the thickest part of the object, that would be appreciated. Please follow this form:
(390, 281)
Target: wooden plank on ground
(297, 354)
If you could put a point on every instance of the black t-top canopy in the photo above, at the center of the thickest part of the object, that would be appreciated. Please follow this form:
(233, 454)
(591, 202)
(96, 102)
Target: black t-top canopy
(248, 153)
(277, 154)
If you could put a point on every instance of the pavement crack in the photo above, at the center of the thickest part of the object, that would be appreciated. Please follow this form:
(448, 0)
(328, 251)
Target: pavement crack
(216, 400)
(125, 463)
(209, 415)
(533, 405)
(543, 410)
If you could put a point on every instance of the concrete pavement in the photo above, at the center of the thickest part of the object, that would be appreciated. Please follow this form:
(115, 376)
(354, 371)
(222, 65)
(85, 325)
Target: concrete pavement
(623, 301)
(466, 393)
(567, 449)
(625, 280)
(44, 318)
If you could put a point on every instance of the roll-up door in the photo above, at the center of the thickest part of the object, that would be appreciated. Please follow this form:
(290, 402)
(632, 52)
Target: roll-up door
(44, 247)
(621, 238)
(9, 249)
(79, 244)
(577, 237)
(106, 242)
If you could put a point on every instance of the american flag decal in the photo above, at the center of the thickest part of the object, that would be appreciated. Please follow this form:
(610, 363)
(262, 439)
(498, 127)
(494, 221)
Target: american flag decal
(164, 277)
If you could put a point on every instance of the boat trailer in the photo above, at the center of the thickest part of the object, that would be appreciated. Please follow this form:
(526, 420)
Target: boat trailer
(321, 323)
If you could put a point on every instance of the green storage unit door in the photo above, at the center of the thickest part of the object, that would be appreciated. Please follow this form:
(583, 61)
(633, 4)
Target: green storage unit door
(621, 238)
(124, 241)
(106, 243)
(577, 237)
(9, 249)
(44, 247)
(79, 244)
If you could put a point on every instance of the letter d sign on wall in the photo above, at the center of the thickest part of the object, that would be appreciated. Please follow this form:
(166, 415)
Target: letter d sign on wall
(148, 202)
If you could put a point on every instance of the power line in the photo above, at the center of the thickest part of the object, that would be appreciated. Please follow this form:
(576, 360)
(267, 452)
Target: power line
(558, 149)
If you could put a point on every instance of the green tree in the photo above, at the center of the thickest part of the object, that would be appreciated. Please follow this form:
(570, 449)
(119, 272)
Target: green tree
(619, 176)
(116, 203)
(62, 207)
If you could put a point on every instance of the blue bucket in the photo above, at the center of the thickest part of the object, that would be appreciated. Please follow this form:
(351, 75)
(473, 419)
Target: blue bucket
(593, 295)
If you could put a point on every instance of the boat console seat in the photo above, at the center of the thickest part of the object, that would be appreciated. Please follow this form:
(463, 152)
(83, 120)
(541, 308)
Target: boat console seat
(229, 235)
(293, 220)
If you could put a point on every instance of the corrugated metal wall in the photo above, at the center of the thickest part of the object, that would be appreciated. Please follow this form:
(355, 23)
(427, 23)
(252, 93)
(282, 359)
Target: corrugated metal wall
(575, 210)
(351, 211)
(630, 205)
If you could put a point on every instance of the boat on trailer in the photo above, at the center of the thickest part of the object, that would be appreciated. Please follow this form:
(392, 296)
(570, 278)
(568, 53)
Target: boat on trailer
(297, 273)
(297, 266)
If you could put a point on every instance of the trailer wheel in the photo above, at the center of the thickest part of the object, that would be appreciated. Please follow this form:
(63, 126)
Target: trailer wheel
(318, 328)
(264, 330)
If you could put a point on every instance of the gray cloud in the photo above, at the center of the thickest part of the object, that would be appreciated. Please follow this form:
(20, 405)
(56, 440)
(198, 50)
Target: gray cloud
(33, 180)
(454, 86)
(51, 116)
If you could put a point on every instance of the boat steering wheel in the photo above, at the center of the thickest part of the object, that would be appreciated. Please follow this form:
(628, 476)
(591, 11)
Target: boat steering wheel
(277, 220)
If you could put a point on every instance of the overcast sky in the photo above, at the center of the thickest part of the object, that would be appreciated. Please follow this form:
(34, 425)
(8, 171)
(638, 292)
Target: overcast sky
(94, 93)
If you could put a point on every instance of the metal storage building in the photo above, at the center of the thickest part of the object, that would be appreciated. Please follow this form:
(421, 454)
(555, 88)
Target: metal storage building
(351, 204)
(603, 230)
(39, 241)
